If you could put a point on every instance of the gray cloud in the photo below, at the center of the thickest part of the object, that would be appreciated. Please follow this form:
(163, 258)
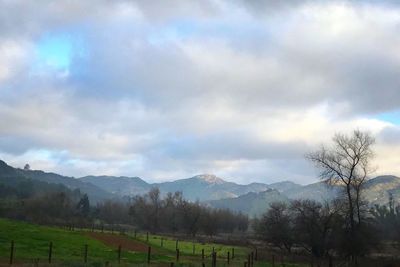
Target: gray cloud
(201, 86)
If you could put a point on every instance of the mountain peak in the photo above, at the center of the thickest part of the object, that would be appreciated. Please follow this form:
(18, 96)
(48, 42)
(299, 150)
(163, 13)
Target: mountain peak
(209, 178)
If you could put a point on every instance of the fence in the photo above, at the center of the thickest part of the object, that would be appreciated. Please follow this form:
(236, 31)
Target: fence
(184, 255)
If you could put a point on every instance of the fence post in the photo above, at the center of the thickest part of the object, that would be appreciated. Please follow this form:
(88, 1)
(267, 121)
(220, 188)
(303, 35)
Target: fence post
(85, 254)
(176, 244)
(256, 256)
(148, 254)
(147, 236)
(233, 253)
(194, 248)
(252, 259)
(119, 253)
(12, 252)
(172, 264)
(202, 254)
(228, 257)
(214, 259)
(162, 242)
(50, 251)
(177, 254)
(273, 260)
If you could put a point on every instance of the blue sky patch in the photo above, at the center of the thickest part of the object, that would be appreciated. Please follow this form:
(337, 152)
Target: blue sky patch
(55, 51)
(392, 117)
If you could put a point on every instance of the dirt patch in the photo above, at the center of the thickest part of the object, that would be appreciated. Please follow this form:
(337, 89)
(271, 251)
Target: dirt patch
(116, 240)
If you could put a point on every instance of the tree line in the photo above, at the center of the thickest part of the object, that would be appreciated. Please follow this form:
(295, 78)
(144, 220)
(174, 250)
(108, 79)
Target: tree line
(175, 214)
(150, 212)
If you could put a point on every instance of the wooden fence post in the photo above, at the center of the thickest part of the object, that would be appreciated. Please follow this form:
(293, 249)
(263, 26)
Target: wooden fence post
(176, 244)
(228, 257)
(233, 253)
(177, 254)
(256, 256)
(202, 254)
(50, 251)
(119, 253)
(12, 252)
(162, 242)
(148, 254)
(147, 237)
(85, 254)
(214, 259)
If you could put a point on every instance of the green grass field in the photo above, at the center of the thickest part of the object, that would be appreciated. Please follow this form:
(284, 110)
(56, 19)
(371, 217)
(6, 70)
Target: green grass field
(186, 247)
(32, 243)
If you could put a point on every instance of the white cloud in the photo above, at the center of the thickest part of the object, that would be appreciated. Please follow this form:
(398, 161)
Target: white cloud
(240, 90)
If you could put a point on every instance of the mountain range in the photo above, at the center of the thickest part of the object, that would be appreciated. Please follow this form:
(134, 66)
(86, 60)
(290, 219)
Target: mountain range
(252, 199)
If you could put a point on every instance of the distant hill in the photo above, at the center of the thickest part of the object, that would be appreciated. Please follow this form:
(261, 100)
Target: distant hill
(377, 190)
(252, 204)
(13, 184)
(201, 187)
(121, 186)
(317, 191)
(205, 188)
(13, 176)
(285, 186)
(209, 187)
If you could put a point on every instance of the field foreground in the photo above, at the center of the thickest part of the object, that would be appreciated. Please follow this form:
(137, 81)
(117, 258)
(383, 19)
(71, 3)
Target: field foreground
(86, 248)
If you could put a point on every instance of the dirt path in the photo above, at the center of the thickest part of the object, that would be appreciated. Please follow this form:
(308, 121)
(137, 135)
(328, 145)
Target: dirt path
(116, 240)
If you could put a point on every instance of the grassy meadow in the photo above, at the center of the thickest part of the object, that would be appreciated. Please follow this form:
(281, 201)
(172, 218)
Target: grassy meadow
(31, 244)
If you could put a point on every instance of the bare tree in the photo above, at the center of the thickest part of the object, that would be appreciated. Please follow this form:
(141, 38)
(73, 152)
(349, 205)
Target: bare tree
(347, 164)
(313, 225)
(276, 227)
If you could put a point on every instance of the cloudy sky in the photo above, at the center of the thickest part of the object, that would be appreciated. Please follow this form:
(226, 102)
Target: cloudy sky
(169, 89)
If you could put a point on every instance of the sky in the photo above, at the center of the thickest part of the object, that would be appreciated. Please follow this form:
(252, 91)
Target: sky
(166, 90)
